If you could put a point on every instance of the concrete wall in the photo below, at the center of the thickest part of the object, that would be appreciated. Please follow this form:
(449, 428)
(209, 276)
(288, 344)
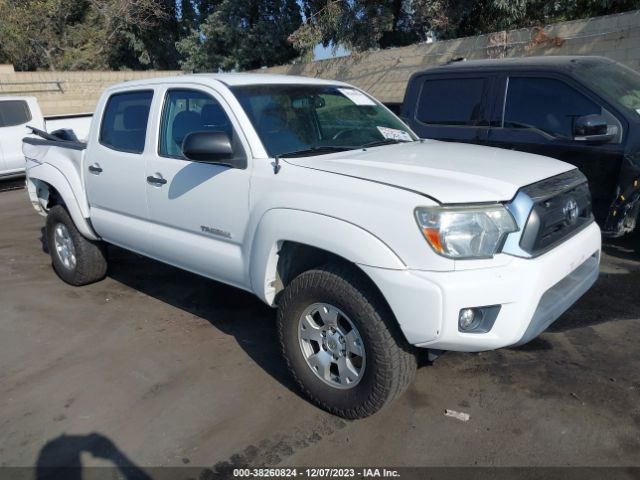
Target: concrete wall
(384, 73)
(67, 92)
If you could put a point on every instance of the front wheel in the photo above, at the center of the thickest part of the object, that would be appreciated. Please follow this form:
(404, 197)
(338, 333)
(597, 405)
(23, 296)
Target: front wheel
(341, 342)
(76, 259)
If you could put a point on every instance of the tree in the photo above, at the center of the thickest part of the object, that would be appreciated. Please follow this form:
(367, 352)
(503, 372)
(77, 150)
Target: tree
(365, 24)
(356, 24)
(241, 35)
(150, 45)
(78, 35)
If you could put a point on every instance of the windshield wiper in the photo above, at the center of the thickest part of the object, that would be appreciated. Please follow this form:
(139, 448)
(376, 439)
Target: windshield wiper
(339, 148)
(315, 150)
(386, 141)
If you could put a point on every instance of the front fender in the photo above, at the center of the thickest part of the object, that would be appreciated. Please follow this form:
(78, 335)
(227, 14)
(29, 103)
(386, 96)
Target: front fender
(75, 202)
(334, 235)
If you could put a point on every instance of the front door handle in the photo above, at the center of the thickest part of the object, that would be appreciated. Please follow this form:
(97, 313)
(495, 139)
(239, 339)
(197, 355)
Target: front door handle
(155, 180)
(95, 169)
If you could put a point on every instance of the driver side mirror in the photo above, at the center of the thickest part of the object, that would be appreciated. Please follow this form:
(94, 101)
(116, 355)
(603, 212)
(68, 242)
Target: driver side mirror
(593, 129)
(209, 147)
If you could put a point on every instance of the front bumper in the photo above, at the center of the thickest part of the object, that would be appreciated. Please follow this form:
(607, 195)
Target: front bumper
(532, 293)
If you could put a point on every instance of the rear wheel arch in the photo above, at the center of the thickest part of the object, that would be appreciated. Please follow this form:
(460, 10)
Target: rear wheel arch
(52, 188)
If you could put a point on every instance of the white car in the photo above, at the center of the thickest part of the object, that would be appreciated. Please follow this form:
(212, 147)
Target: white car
(316, 198)
(18, 112)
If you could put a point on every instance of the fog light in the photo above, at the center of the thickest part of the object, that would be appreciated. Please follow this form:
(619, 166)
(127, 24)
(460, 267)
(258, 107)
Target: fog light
(468, 319)
(478, 319)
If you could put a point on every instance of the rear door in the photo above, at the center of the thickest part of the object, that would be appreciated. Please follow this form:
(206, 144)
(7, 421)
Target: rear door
(14, 117)
(537, 115)
(449, 107)
(199, 211)
(115, 170)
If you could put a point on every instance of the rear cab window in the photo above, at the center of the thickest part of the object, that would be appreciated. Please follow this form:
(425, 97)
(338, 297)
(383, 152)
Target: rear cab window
(124, 121)
(14, 112)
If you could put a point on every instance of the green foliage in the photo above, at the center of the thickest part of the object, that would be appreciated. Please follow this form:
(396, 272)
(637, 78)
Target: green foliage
(356, 24)
(84, 34)
(470, 17)
(360, 24)
(241, 35)
(212, 35)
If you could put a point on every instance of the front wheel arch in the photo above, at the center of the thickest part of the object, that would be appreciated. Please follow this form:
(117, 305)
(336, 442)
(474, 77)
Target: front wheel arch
(345, 242)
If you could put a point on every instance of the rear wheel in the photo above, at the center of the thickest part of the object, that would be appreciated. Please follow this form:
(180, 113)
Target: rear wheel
(76, 260)
(341, 342)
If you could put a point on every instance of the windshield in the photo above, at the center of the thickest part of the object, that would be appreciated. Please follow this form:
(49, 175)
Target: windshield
(618, 83)
(297, 120)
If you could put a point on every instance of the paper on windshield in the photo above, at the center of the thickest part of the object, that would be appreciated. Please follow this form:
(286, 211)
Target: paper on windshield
(394, 134)
(638, 111)
(356, 96)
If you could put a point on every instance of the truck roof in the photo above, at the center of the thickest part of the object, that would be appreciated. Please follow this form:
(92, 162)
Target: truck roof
(232, 79)
(559, 62)
(17, 97)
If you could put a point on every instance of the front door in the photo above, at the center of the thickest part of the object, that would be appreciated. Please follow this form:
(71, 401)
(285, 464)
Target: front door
(115, 171)
(199, 211)
(538, 116)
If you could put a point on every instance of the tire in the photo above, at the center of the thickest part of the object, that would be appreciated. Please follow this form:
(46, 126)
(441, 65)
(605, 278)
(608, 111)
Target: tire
(372, 381)
(76, 260)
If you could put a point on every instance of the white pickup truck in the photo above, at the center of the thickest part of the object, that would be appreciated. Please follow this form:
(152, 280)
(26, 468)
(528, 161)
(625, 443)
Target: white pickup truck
(316, 198)
(18, 112)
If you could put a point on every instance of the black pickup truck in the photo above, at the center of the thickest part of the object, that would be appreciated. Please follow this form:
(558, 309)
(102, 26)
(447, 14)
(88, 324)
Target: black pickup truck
(582, 110)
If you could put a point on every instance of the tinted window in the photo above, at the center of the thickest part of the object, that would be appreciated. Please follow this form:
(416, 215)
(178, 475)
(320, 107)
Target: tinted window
(14, 112)
(187, 111)
(124, 123)
(455, 101)
(546, 104)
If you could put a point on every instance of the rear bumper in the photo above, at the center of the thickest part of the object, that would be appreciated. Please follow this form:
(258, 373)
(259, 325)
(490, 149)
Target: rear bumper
(532, 293)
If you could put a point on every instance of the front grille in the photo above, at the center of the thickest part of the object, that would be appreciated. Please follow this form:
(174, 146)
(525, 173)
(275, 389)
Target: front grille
(561, 208)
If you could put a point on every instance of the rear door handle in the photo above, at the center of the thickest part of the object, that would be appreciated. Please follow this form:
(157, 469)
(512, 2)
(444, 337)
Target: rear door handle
(95, 169)
(155, 180)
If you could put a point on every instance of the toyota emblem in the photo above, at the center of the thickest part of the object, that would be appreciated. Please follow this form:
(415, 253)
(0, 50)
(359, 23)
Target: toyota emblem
(571, 211)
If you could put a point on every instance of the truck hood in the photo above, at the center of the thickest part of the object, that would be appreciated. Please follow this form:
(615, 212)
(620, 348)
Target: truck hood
(447, 172)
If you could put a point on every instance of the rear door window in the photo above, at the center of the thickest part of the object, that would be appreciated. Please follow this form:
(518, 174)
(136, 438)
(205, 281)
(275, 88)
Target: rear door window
(451, 101)
(545, 104)
(14, 112)
(125, 119)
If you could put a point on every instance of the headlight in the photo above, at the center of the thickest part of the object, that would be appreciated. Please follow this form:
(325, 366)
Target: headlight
(466, 232)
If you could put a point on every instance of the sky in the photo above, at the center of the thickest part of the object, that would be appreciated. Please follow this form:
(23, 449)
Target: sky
(322, 53)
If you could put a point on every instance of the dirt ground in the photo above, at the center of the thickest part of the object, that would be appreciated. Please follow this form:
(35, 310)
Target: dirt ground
(157, 367)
